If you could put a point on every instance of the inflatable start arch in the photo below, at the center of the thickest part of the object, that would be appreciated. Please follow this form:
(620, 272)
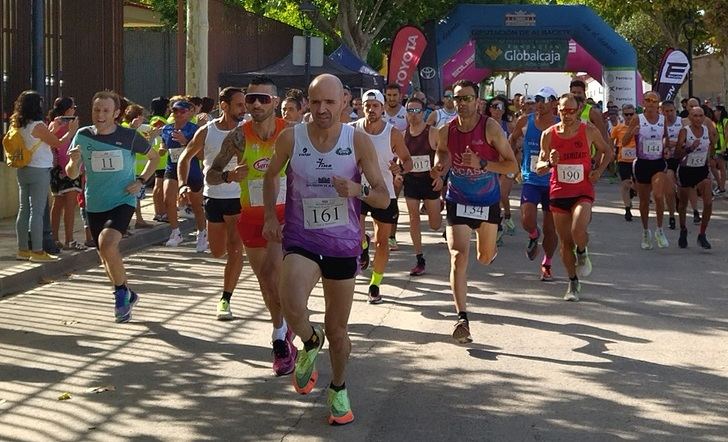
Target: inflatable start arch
(474, 40)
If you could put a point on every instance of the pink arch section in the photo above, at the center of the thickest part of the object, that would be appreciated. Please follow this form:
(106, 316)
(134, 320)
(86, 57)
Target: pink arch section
(462, 64)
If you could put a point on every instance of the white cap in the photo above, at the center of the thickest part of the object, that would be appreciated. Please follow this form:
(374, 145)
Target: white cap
(372, 94)
(547, 92)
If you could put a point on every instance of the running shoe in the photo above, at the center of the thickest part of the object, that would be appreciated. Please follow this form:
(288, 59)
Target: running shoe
(661, 239)
(671, 223)
(305, 373)
(157, 218)
(696, 217)
(419, 269)
(572, 292)
(364, 258)
(202, 243)
(703, 241)
(628, 215)
(284, 355)
(682, 242)
(532, 248)
(223, 310)
(175, 239)
(125, 300)
(340, 407)
(393, 244)
(374, 296)
(510, 227)
(461, 333)
(546, 273)
(41, 257)
(646, 240)
(583, 264)
(23, 255)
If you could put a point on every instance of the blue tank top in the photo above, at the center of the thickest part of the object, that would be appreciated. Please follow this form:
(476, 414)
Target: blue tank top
(531, 149)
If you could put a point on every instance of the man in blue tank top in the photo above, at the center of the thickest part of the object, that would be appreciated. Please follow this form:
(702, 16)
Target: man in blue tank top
(535, 189)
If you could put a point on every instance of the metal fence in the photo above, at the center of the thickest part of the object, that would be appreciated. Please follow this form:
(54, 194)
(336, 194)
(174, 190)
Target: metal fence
(83, 50)
(150, 64)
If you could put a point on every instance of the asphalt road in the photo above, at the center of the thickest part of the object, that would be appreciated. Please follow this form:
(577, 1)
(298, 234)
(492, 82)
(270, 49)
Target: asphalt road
(643, 356)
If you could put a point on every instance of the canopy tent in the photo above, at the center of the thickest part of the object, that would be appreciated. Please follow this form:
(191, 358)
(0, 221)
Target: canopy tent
(345, 57)
(286, 75)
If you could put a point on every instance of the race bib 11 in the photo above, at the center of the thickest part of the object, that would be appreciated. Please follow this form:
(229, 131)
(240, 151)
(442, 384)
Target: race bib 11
(107, 161)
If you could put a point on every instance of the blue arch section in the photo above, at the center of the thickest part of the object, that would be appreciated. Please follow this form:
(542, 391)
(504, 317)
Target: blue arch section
(535, 22)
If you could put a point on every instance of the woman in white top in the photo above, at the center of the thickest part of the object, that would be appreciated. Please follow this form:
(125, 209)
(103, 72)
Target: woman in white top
(34, 179)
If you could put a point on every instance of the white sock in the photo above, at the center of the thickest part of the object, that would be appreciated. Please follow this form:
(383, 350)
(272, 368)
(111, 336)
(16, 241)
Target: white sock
(176, 231)
(280, 333)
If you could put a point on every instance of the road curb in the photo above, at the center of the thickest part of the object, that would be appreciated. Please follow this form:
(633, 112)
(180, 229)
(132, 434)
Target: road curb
(26, 275)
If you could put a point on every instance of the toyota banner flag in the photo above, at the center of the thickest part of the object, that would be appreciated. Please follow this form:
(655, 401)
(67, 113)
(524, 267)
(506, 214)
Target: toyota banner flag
(673, 72)
(408, 46)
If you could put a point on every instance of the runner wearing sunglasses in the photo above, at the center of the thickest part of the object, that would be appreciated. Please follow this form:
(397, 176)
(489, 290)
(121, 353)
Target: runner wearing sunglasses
(474, 149)
(566, 154)
(252, 145)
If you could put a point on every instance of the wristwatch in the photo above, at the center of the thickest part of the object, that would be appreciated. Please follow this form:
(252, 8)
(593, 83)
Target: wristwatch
(364, 191)
(483, 164)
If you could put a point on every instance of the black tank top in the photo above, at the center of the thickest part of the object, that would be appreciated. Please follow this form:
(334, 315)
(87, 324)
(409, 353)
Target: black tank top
(419, 147)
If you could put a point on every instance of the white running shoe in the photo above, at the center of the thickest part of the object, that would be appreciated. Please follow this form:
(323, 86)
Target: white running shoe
(646, 240)
(175, 239)
(572, 292)
(583, 264)
(202, 243)
(661, 239)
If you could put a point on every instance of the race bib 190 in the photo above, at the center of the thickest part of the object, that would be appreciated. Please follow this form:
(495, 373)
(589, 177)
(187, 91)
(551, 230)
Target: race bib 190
(320, 213)
(421, 163)
(570, 173)
(107, 161)
(473, 212)
(255, 192)
(175, 153)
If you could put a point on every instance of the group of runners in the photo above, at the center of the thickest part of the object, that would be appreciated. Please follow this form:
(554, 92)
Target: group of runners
(294, 196)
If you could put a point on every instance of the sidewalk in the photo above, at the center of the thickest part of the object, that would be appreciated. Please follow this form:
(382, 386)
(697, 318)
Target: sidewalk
(16, 276)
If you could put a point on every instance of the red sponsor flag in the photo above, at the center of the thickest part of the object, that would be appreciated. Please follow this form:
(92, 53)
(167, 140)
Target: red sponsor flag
(408, 46)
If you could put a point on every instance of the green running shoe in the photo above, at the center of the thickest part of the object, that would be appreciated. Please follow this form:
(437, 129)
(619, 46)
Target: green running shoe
(223, 310)
(305, 373)
(340, 407)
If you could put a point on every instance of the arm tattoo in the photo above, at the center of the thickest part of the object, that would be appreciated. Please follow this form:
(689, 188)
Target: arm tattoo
(232, 146)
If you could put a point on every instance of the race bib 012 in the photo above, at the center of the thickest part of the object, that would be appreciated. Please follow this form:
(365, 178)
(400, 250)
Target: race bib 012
(320, 213)
(107, 161)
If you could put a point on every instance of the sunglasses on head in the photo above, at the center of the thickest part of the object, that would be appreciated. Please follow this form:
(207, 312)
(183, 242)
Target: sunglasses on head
(261, 98)
(414, 111)
(464, 98)
(568, 110)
